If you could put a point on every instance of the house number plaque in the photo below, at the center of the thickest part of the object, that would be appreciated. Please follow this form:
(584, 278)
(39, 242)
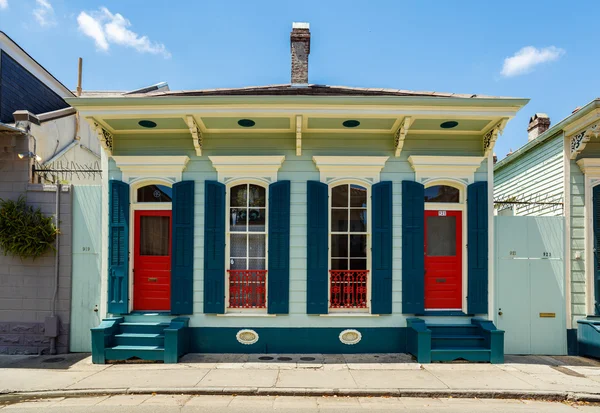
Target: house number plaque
(441, 213)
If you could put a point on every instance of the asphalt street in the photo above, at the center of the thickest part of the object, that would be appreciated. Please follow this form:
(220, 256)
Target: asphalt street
(235, 404)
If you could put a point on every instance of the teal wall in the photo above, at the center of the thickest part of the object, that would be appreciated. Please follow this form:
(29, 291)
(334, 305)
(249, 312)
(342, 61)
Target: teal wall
(540, 171)
(298, 170)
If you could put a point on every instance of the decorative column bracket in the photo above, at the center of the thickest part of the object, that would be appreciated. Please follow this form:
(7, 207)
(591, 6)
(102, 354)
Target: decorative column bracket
(489, 139)
(298, 135)
(400, 135)
(196, 134)
(105, 138)
(579, 141)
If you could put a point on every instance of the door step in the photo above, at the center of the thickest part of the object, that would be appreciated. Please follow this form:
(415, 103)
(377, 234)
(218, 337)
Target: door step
(116, 339)
(478, 341)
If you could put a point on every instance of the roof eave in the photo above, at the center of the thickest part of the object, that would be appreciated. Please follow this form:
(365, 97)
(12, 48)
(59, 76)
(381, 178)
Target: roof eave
(553, 131)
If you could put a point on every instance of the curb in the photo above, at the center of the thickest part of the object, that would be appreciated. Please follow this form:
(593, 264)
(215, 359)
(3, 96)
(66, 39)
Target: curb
(558, 396)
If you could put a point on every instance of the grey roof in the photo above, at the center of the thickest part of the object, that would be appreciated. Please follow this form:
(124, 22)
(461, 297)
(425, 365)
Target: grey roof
(309, 90)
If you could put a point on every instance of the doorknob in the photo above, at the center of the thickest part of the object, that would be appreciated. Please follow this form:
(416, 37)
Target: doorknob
(500, 311)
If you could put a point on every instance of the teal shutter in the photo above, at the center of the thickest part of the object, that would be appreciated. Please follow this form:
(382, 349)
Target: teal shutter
(118, 248)
(596, 206)
(278, 276)
(182, 254)
(318, 248)
(214, 247)
(413, 247)
(381, 276)
(477, 248)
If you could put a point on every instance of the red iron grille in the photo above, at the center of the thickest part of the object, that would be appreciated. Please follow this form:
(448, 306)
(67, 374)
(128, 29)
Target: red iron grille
(247, 288)
(348, 288)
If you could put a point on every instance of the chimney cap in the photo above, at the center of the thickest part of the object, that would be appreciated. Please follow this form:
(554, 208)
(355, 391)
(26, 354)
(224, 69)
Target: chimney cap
(300, 25)
(539, 116)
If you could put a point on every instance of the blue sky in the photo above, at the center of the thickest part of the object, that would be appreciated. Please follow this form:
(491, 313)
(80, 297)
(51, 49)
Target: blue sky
(458, 46)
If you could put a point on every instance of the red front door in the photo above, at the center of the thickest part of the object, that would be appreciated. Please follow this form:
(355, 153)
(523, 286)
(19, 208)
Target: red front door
(443, 260)
(152, 261)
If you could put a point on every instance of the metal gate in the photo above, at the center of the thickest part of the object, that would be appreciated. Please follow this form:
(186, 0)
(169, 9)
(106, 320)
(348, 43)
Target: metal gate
(530, 284)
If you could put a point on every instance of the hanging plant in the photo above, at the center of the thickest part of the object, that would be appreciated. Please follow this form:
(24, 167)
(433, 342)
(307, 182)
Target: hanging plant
(24, 231)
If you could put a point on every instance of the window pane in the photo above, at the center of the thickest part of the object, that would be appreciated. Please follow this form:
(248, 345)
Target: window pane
(358, 246)
(237, 219)
(339, 245)
(358, 220)
(238, 245)
(256, 220)
(237, 264)
(255, 264)
(154, 236)
(339, 264)
(339, 220)
(154, 193)
(358, 196)
(441, 236)
(238, 196)
(442, 193)
(257, 196)
(339, 196)
(358, 264)
(256, 245)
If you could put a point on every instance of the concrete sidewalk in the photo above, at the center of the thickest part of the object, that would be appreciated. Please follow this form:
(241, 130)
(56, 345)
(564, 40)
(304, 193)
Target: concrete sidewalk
(556, 378)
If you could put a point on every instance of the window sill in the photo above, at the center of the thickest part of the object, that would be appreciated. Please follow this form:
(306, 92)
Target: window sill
(246, 315)
(349, 315)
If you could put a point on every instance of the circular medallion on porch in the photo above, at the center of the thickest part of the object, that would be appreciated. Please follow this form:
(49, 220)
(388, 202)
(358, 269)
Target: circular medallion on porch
(247, 336)
(350, 336)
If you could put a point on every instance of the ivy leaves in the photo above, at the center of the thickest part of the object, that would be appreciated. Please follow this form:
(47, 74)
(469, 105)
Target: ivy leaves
(24, 231)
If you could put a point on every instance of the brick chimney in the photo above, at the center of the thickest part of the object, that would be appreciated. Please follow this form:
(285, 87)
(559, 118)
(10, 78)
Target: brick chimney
(538, 124)
(300, 45)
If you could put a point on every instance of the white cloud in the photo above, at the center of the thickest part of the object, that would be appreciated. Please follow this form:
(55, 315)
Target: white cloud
(3, 4)
(92, 28)
(526, 59)
(44, 13)
(107, 28)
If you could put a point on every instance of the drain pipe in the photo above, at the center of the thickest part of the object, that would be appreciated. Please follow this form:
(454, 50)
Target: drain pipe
(53, 317)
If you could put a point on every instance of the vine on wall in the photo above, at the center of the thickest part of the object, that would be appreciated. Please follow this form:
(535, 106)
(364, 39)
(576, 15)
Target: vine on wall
(24, 231)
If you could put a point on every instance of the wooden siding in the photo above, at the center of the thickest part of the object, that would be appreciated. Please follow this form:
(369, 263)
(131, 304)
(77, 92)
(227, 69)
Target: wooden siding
(21, 90)
(538, 172)
(298, 170)
(577, 184)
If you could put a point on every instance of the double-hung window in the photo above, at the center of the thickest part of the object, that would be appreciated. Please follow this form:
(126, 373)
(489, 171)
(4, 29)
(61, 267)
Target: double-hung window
(349, 251)
(247, 246)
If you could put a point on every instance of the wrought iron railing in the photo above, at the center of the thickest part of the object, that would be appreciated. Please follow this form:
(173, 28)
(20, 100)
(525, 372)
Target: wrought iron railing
(247, 288)
(348, 288)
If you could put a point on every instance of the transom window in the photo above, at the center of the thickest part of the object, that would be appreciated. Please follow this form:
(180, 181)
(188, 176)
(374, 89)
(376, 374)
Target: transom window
(247, 226)
(349, 227)
(154, 193)
(442, 193)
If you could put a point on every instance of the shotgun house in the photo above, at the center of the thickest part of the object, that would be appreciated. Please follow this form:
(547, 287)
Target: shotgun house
(297, 218)
(556, 174)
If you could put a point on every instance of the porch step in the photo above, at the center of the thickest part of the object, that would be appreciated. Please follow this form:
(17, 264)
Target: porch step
(143, 328)
(136, 339)
(123, 352)
(465, 353)
(456, 341)
(478, 341)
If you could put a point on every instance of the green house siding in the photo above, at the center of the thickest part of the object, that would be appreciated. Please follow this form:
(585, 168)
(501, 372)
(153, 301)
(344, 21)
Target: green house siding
(298, 170)
(540, 172)
(577, 243)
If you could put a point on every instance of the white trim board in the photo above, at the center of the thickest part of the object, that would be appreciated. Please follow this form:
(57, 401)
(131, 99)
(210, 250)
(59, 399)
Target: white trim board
(144, 167)
(367, 168)
(260, 167)
(458, 167)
